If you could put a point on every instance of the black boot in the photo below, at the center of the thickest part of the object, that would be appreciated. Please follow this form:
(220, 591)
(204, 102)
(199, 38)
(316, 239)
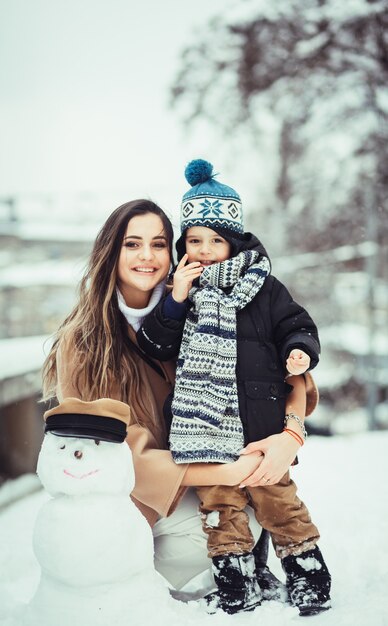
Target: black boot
(238, 589)
(272, 588)
(308, 581)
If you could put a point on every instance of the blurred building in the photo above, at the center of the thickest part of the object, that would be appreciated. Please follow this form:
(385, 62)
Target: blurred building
(21, 423)
(41, 263)
(350, 308)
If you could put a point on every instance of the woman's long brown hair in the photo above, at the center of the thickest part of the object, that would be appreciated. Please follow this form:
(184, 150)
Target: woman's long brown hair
(95, 330)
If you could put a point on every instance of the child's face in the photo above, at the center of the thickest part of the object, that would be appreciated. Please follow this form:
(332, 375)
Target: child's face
(206, 246)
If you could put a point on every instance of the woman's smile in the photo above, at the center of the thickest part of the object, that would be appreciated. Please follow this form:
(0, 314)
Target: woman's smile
(146, 270)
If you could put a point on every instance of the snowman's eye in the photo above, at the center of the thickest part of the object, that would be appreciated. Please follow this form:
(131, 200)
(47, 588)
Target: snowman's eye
(62, 447)
(97, 442)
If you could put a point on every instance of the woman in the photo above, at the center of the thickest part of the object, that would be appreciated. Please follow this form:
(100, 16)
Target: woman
(95, 354)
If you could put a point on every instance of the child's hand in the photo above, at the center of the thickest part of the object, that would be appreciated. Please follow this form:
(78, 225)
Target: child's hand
(298, 362)
(183, 278)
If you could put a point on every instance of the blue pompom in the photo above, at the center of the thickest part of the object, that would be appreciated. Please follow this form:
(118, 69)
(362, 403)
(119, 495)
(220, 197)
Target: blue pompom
(198, 171)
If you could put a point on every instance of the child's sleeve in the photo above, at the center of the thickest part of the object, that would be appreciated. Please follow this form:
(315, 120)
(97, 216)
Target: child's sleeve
(160, 334)
(293, 326)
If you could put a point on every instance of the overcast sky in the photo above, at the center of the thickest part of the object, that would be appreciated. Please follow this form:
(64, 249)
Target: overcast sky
(84, 97)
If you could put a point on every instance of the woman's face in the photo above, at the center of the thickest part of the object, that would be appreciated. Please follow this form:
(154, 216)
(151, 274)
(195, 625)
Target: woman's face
(144, 259)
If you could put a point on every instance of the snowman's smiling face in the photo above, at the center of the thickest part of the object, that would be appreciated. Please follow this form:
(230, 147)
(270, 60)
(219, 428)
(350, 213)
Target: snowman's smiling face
(72, 466)
(79, 455)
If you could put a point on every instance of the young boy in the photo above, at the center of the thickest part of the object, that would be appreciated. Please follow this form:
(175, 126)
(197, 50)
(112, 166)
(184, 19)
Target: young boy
(239, 334)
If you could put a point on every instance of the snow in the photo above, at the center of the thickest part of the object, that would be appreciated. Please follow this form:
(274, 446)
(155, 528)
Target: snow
(309, 564)
(22, 355)
(213, 519)
(14, 490)
(47, 273)
(354, 338)
(343, 481)
(333, 373)
(54, 231)
(292, 263)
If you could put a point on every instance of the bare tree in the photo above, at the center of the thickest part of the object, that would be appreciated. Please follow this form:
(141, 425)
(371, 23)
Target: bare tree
(320, 67)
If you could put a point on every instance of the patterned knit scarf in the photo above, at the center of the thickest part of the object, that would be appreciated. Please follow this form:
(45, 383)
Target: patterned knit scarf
(206, 423)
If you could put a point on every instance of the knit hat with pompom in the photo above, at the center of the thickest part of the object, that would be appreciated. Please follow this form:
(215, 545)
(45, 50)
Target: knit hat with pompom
(210, 203)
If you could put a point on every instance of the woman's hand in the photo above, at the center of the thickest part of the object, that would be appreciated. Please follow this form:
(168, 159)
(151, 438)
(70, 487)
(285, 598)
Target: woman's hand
(183, 278)
(298, 362)
(246, 465)
(279, 453)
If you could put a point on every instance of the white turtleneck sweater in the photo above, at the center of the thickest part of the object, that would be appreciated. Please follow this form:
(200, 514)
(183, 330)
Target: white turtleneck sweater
(135, 317)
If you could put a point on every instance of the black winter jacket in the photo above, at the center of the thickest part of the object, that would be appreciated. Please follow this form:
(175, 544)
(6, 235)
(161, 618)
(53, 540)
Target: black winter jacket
(268, 328)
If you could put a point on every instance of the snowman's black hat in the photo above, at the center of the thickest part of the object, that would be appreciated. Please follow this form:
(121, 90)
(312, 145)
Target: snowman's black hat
(104, 419)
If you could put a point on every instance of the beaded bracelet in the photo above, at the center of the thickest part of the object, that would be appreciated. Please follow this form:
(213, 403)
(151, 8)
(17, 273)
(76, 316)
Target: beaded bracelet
(292, 416)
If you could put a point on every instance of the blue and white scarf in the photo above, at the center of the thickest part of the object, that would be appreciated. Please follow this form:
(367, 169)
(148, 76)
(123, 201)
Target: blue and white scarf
(206, 424)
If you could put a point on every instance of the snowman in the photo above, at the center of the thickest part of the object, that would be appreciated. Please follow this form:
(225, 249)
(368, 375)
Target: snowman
(94, 547)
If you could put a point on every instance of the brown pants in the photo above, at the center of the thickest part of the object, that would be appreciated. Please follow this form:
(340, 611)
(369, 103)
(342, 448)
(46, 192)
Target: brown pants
(277, 508)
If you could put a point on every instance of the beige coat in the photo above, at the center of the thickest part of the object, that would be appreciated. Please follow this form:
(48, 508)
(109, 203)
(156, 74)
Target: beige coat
(158, 479)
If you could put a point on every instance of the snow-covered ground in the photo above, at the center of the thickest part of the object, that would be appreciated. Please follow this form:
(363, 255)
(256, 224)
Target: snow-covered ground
(22, 355)
(343, 481)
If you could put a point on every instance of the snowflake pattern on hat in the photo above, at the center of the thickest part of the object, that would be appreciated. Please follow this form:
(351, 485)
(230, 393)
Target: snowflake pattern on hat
(210, 203)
